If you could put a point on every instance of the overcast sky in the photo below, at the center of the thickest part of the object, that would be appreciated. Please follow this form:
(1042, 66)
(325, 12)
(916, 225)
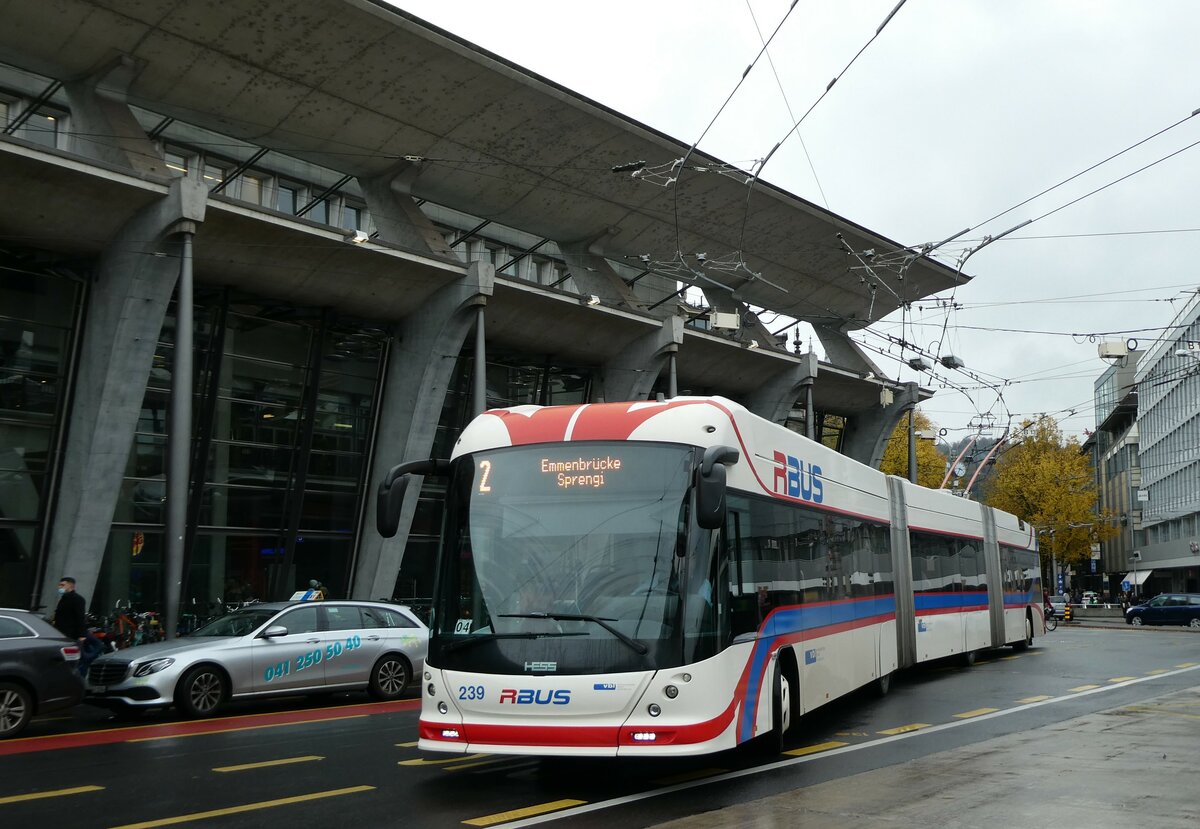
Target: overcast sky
(957, 111)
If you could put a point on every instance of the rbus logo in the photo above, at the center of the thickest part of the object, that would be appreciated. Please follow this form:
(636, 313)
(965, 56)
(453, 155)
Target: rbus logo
(527, 696)
(794, 478)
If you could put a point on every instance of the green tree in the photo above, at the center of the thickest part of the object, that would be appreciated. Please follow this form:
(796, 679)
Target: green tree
(1043, 479)
(931, 464)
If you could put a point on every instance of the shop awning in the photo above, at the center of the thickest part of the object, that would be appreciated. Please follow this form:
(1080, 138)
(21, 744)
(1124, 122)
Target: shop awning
(1138, 578)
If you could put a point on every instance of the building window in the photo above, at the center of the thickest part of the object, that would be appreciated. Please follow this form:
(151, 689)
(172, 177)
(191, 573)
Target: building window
(214, 173)
(252, 187)
(42, 128)
(352, 217)
(177, 164)
(287, 197)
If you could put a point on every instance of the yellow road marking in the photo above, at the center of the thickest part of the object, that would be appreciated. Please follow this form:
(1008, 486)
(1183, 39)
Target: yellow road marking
(249, 807)
(819, 747)
(1156, 671)
(243, 728)
(413, 744)
(1035, 699)
(1187, 664)
(978, 712)
(1007, 658)
(1122, 678)
(20, 798)
(424, 762)
(267, 763)
(904, 729)
(504, 817)
(1084, 688)
(699, 774)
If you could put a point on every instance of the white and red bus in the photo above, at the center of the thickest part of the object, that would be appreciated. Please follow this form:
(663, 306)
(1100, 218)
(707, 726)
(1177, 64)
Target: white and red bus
(681, 577)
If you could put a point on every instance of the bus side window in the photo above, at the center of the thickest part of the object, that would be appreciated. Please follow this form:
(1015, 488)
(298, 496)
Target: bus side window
(743, 603)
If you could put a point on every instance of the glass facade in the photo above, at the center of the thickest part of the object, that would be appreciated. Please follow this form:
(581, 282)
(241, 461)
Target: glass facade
(283, 407)
(513, 379)
(38, 314)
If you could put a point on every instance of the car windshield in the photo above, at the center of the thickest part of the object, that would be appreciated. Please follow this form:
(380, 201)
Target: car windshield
(238, 623)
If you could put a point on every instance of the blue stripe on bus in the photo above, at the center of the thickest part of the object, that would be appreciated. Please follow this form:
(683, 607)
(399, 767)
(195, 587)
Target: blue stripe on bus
(950, 601)
(788, 624)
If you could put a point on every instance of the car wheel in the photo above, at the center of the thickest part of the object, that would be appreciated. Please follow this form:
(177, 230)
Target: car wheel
(1195, 622)
(202, 691)
(16, 708)
(390, 677)
(1136, 621)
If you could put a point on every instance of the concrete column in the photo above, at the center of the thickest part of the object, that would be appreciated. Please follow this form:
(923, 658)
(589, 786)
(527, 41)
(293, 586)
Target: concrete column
(843, 352)
(867, 433)
(593, 275)
(398, 218)
(632, 372)
(135, 282)
(418, 375)
(102, 125)
(775, 398)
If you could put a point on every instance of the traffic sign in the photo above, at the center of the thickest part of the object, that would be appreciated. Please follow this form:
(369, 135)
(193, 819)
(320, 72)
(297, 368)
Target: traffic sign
(1125, 586)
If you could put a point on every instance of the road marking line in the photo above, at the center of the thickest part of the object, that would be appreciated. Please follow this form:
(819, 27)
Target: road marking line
(267, 763)
(423, 762)
(819, 747)
(1009, 658)
(504, 817)
(248, 807)
(20, 798)
(413, 744)
(978, 712)
(1156, 671)
(1122, 678)
(687, 777)
(1082, 688)
(904, 729)
(243, 728)
(1187, 665)
(1035, 699)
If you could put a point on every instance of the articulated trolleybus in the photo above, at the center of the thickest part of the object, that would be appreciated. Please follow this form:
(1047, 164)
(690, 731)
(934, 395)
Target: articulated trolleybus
(681, 577)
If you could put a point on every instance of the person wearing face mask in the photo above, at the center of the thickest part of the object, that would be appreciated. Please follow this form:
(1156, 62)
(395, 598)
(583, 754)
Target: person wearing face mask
(70, 616)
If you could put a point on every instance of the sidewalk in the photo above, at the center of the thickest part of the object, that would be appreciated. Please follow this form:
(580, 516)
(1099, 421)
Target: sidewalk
(1130, 766)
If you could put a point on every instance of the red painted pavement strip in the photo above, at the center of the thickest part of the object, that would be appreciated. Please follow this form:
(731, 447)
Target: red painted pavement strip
(79, 739)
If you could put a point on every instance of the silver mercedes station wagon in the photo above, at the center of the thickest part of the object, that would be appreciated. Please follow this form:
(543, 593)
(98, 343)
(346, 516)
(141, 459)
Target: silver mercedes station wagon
(271, 649)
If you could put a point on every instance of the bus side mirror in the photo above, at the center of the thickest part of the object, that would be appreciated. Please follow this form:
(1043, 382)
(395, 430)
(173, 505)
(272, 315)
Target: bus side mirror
(390, 499)
(710, 486)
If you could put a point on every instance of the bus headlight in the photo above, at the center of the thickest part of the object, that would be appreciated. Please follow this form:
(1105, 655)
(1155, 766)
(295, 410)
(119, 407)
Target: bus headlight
(431, 689)
(653, 710)
(443, 708)
(671, 691)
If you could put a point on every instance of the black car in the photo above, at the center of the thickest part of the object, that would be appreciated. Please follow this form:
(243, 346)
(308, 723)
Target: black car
(38, 670)
(1167, 609)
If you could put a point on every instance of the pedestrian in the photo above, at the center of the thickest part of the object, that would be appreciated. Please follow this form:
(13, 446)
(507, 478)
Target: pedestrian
(320, 592)
(70, 617)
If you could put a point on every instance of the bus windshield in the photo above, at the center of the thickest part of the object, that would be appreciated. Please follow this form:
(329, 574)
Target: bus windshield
(564, 553)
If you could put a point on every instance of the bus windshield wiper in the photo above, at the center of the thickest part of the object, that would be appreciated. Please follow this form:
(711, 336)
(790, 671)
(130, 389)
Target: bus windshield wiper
(476, 639)
(582, 617)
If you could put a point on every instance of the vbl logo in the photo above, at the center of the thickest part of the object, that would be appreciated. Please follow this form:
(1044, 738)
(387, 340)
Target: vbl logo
(527, 696)
(795, 478)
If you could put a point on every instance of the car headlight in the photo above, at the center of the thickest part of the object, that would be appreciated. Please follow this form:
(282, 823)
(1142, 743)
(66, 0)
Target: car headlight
(153, 666)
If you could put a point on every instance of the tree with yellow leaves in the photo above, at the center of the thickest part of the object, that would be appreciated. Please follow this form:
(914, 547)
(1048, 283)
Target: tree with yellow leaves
(1043, 478)
(931, 464)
